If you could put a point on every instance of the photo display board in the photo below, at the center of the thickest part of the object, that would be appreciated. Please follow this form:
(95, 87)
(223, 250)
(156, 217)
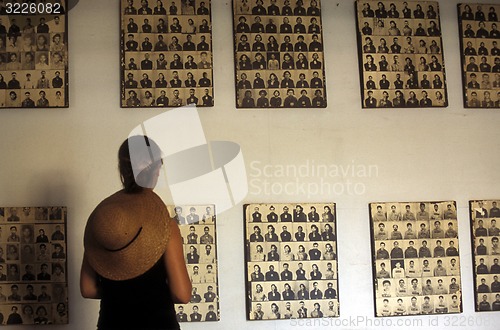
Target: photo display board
(279, 59)
(400, 52)
(198, 229)
(479, 42)
(484, 215)
(33, 265)
(416, 264)
(166, 53)
(33, 54)
(291, 261)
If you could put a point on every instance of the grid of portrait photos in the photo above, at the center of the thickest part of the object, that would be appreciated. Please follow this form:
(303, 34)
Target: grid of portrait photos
(166, 53)
(400, 54)
(34, 56)
(479, 38)
(33, 265)
(485, 218)
(278, 47)
(198, 229)
(416, 263)
(291, 261)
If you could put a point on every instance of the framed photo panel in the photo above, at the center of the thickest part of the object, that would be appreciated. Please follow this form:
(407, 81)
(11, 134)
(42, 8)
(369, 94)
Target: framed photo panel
(416, 264)
(34, 54)
(484, 215)
(198, 229)
(400, 53)
(279, 58)
(291, 261)
(479, 38)
(33, 265)
(166, 53)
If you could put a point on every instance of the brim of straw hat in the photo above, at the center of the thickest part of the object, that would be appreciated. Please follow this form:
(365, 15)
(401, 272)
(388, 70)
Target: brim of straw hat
(144, 219)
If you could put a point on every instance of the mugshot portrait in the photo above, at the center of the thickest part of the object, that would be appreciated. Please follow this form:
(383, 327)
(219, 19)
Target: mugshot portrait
(33, 264)
(400, 55)
(279, 49)
(416, 260)
(34, 55)
(291, 256)
(197, 224)
(485, 236)
(480, 56)
(174, 50)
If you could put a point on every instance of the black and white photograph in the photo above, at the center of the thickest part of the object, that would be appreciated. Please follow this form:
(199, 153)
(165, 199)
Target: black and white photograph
(198, 230)
(485, 235)
(33, 265)
(34, 54)
(166, 53)
(400, 53)
(291, 261)
(278, 54)
(480, 55)
(416, 264)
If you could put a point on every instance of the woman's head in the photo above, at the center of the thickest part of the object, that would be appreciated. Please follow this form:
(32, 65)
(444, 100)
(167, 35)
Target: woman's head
(139, 161)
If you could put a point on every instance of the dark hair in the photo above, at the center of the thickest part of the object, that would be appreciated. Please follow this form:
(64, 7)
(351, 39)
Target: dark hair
(145, 151)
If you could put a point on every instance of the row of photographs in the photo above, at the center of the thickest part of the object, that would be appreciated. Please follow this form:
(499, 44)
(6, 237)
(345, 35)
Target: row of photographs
(198, 230)
(392, 81)
(31, 98)
(413, 267)
(285, 310)
(396, 9)
(168, 97)
(161, 43)
(190, 7)
(41, 292)
(399, 27)
(411, 287)
(300, 270)
(277, 8)
(162, 61)
(482, 12)
(482, 47)
(28, 24)
(423, 45)
(288, 80)
(411, 230)
(20, 314)
(293, 232)
(246, 99)
(46, 272)
(283, 26)
(304, 290)
(404, 98)
(32, 214)
(436, 304)
(162, 24)
(298, 213)
(15, 252)
(25, 233)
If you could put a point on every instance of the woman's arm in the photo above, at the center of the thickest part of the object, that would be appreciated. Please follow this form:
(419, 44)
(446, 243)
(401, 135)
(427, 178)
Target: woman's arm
(88, 281)
(178, 278)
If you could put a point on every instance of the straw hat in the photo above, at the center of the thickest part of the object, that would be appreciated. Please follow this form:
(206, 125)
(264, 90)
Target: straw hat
(127, 234)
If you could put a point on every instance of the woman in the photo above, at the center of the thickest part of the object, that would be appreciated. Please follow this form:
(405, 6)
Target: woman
(273, 81)
(317, 312)
(315, 273)
(439, 99)
(412, 100)
(245, 63)
(259, 294)
(191, 28)
(149, 100)
(41, 317)
(143, 280)
(28, 314)
(276, 101)
(161, 82)
(272, 44)
(190, 81)
(287, 254)
(302, 255)
(329, 254)
(382, 48)
(302, 293)
(327, 214)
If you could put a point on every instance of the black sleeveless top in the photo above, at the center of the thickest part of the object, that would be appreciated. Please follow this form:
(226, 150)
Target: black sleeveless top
(143, 302)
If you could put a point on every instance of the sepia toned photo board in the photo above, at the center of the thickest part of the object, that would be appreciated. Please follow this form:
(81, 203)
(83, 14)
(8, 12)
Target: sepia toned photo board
(416, 263)
(198, 230)
(166, 53)
(400, 54)
(34, 54)
(291, 261)
(278, 54)
(484, 216)
(480, 54)
(33, 265)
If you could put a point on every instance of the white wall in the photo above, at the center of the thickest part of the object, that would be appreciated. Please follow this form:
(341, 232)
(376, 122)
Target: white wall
(68, 156)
